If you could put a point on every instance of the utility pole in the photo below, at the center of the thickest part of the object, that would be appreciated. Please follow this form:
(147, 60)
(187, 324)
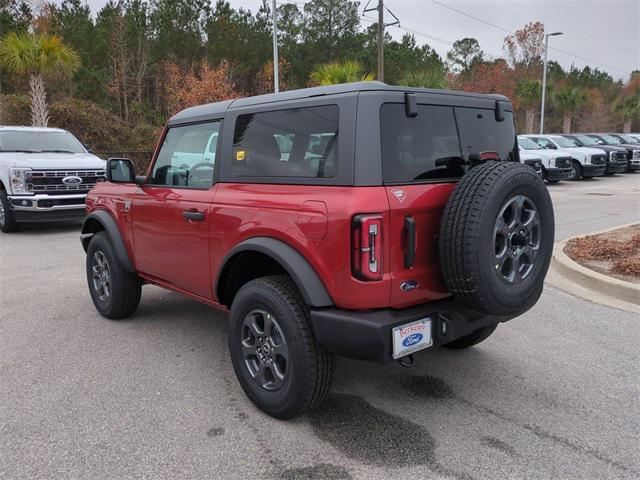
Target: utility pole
(276, 82)
(381, 26)
(381, 40)
(544, 77)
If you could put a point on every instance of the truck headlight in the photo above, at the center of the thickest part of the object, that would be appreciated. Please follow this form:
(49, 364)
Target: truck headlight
(587, 158)
(19, 179)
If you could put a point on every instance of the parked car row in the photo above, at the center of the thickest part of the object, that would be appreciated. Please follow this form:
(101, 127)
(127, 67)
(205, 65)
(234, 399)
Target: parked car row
(580, 155)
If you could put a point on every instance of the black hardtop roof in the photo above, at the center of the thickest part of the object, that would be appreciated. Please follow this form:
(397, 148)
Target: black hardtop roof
(217, 108)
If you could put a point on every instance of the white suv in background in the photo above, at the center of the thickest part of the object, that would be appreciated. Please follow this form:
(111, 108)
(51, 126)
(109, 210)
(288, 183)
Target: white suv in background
(586, 162)
(45, 174)
(556, 165)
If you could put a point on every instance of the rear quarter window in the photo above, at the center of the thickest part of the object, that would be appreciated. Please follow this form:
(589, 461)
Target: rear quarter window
(297, 142)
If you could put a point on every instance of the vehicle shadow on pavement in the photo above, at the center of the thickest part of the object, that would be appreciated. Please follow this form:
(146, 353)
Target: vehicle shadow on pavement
(389, 417)
(48, 228)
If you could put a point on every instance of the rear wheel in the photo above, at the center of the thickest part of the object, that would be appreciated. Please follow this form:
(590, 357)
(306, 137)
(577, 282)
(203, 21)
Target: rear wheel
(115, 292)
(275, 355)
(7, 222)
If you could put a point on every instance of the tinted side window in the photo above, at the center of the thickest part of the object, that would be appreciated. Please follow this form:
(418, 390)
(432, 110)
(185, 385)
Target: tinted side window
(299, 142)
(187, 156)
(480, 132)
(419, 148)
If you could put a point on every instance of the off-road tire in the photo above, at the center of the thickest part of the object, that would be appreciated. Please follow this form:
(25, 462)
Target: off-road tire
(308, 380)
(467, 240)
(474, 338)
(577, 168)
(125, 287)
(7, 222)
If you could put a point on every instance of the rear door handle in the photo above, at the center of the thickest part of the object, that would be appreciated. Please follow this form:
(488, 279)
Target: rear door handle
(193, 216)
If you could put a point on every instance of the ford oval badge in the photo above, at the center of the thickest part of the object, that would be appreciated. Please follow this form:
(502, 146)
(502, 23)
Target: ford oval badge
(408, 285)
(72, 180)
(412, 339)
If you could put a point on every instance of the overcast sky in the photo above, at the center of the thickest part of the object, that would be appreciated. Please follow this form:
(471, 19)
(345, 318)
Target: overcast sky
(599, 33)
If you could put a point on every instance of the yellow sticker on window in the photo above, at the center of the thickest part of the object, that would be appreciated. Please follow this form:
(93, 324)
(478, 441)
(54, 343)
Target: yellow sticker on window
(240, 155)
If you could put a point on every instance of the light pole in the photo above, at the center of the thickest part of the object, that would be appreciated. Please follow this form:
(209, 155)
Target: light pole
(276, 82)
(544, 77)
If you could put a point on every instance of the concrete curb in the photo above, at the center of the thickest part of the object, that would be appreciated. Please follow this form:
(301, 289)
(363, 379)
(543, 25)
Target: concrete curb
(572, 277)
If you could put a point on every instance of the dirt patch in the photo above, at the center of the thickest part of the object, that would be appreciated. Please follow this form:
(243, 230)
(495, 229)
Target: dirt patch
(615, 253)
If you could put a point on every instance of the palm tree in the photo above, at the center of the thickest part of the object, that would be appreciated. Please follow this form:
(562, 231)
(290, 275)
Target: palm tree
(568, 100)
(629, 108)
(337, 72)
(433, 78)
(529, 93)
(37, 57)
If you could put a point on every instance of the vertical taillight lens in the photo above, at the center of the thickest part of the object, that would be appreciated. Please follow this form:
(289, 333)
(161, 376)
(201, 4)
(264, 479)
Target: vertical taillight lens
(367, 246)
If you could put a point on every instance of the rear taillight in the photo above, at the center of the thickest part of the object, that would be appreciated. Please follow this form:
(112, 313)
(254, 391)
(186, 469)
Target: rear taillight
(367, 247)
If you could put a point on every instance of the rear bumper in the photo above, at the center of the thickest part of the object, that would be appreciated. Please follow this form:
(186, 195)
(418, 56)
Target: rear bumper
(593, 170)
(367, 335)
(556, 174)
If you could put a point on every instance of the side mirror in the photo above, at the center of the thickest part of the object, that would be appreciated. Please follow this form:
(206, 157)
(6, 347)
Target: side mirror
(121, 170)
(87, 148)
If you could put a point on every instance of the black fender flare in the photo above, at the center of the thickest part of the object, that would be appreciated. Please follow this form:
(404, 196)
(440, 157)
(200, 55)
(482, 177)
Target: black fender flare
(303, 274)
(111, 228)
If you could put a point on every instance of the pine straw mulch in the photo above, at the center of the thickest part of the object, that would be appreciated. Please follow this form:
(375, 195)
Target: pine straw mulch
(615, 253)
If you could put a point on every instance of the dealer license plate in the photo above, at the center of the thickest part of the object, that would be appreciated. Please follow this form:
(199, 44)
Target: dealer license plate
(411, 337)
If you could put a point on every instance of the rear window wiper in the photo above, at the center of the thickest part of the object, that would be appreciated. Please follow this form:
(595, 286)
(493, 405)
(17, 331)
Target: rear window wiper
(56, 151)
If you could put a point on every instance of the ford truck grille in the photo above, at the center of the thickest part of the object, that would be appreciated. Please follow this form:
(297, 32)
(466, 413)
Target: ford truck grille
(50, 181)
(563, 162)
(618, 156)
(598, 159)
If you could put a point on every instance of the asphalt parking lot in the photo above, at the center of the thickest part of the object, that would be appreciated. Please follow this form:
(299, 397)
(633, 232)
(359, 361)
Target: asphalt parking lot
(553, 394)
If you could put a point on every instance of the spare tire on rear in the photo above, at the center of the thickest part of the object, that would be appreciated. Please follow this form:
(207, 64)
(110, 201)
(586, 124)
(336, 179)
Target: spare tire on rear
(496, 238)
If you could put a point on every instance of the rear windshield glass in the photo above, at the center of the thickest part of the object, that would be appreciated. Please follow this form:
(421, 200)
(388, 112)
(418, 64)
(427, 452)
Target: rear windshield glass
(480, 132)
(419, 148)
(299, 142)
(435, 143)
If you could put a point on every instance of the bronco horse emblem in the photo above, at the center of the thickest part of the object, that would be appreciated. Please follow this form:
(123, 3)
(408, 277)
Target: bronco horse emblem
(399, 194)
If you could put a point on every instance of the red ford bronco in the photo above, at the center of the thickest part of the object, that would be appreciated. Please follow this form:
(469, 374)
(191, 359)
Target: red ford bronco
(360, 220)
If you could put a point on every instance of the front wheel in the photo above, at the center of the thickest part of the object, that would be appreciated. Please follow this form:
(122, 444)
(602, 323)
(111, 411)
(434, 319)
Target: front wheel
(275, 355)
(576, 171)
(115, 292)
(7, 222)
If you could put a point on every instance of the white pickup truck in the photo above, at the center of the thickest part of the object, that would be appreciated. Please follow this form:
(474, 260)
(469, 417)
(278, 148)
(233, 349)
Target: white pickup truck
(586, 162)
(555, 166)
(45, 174)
